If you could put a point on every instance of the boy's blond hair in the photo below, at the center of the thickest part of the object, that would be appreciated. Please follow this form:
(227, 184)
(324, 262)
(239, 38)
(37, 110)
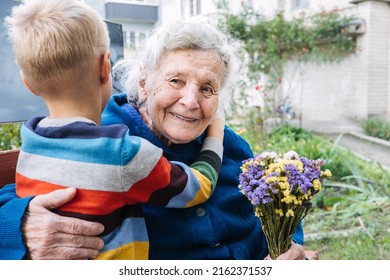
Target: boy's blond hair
(54, 40)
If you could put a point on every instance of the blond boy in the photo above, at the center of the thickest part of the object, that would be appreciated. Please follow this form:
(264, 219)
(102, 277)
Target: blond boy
(62, 49)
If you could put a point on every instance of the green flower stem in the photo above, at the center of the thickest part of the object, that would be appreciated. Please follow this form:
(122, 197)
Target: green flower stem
(280, 230)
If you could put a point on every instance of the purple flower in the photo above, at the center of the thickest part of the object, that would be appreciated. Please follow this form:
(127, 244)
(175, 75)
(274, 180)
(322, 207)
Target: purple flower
(297, 180)
(265, 180)
(311, 168)
(254, 186)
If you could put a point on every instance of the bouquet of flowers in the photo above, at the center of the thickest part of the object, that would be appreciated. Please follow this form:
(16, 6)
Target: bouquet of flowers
(281, 187)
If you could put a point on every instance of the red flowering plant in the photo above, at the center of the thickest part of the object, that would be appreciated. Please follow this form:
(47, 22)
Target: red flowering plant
(280, 187)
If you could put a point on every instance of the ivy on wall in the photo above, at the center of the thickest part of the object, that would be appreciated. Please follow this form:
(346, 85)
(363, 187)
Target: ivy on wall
(271, 43)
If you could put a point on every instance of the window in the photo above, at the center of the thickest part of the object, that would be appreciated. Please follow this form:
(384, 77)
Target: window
(126, 38)
(183, 8)
(198, 7)
(129, 39)
(141, 38)
(299, 4)
(132, 39)
(125, 41)
(191, 6)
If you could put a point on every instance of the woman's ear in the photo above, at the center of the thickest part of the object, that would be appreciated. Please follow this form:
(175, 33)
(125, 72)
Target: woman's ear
(27, 84)
(105, 68)
(142, 95)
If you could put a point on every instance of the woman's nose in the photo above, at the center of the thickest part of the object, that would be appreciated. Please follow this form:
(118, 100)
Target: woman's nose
(189, 97)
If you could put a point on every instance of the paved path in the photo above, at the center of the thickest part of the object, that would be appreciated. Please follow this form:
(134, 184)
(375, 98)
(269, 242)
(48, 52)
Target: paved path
(351, 136)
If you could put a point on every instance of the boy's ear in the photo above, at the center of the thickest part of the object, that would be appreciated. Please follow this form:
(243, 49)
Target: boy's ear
(105, 68)
(27, 84)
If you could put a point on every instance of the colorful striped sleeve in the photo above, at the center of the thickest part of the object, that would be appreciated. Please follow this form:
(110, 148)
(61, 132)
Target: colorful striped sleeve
(209, 161)
(173, 184)
(204, 171)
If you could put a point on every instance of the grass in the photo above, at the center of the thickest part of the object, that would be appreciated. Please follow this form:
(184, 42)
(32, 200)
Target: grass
(350, 217)
(350, 235)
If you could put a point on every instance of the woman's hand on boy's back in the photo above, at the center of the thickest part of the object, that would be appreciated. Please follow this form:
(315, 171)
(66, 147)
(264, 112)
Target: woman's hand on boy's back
(50, 236)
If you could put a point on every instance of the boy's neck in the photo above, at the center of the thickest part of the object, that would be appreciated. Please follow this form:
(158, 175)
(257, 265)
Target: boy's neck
(74, 107)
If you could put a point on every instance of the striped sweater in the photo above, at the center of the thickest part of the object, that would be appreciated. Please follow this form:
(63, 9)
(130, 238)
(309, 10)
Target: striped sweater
(113, 172)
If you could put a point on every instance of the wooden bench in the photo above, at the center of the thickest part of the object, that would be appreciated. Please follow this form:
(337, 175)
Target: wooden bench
(8, 161)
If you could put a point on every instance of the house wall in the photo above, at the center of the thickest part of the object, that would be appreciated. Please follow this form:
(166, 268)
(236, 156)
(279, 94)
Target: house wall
(169, 11)
(355, 88)
(378, 32)
(388, 85)
(316, 6)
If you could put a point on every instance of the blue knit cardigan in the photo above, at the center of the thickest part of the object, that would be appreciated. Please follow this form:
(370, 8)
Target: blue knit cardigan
(222, 228)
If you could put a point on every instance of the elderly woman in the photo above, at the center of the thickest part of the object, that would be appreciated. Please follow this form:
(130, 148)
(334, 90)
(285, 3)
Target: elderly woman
(172, 95)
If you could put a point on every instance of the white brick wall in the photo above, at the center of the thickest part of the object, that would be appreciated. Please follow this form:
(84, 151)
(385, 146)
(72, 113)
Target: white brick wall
(378, 31)
(388, 85)
(316, 6)
(355, 88)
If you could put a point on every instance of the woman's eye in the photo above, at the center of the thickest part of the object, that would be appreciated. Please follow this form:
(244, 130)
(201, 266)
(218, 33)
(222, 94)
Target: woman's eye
(175, 81)
(207, 90)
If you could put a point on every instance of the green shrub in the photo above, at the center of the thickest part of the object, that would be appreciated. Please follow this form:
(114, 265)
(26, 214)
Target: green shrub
(10, 136)
(377, 127)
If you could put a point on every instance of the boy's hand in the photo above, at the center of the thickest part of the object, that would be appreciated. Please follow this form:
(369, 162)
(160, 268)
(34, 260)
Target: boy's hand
(217, 126)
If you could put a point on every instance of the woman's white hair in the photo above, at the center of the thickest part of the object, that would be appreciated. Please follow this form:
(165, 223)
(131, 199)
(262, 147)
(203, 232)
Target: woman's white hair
(196, 34)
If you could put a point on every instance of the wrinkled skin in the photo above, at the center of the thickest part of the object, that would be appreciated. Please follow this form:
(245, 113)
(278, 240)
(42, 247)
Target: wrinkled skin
(50, 236)
(181, 94)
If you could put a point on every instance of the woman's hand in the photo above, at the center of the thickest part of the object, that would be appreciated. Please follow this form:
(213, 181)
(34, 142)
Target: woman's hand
(50, 236)
(295, 252)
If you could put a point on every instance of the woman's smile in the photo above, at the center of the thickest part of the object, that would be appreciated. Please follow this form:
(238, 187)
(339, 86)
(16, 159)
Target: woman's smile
(181, 117)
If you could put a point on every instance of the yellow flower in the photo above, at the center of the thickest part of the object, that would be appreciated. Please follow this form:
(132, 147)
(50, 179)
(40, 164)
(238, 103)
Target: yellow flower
(297, 201)
(307, 196)
(326, 173)
(298, 164)
(289, 213)
(286, 192)
(282, 179)
(258, 212)
(279, 212)
(244, 167)
(271, 179)
(289, 199)
(274, 167)
(316, 185)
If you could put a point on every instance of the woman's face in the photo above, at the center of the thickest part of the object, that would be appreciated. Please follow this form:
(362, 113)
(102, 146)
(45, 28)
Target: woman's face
(182, 94)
